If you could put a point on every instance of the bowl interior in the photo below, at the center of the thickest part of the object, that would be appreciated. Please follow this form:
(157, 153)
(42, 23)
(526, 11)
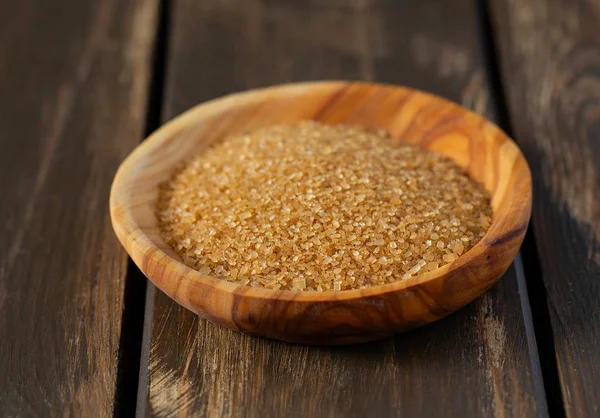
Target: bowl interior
(474, 143)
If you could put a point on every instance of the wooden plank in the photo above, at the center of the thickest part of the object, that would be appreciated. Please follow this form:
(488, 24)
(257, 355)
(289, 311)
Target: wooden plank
(550, 55)
(473, 363)
(74, 79)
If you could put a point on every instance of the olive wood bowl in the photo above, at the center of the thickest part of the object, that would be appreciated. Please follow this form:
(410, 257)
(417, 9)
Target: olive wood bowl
(330, 317)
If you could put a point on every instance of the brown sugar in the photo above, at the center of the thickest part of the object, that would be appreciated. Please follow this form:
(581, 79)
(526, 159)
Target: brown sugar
(320, 207)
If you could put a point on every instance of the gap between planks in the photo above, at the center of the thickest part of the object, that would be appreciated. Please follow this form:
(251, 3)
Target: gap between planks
(134, 342)
(531, 288)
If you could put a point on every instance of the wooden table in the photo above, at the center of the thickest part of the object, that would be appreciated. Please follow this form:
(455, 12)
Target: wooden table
(82, 82)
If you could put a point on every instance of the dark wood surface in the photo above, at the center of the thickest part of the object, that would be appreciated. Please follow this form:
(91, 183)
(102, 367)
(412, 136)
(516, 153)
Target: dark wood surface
(550, 54)
(478, 362)
(73, 82)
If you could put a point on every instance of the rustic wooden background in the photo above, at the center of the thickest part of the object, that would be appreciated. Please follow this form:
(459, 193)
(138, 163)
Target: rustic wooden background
(83, 82)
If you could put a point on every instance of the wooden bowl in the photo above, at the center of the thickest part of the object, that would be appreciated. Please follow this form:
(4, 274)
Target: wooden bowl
(330, 317)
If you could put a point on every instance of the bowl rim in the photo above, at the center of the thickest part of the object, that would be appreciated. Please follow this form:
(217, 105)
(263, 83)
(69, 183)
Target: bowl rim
(143, 245)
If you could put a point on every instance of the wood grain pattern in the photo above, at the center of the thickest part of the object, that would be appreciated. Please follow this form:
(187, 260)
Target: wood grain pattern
(472, 363)
(73, 78)
(550, 52)
(330, 317)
